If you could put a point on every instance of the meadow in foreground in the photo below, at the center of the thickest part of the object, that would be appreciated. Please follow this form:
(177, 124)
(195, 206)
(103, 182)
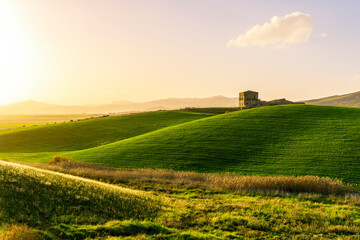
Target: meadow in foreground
(177, 205)
(43, 198)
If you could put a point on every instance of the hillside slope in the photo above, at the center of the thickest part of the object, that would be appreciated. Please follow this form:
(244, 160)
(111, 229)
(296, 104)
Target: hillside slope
(90, 133)
(347, 100)
(65, 198)
(289, 140)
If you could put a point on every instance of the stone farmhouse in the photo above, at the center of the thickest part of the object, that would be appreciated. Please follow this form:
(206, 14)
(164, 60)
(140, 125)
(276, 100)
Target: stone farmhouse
(250, 99)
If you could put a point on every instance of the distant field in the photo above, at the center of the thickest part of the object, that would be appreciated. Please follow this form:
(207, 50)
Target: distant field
(90, 133)
(17, 121)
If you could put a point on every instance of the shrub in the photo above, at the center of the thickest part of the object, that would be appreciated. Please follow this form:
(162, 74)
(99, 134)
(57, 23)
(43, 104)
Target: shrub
(57, 160)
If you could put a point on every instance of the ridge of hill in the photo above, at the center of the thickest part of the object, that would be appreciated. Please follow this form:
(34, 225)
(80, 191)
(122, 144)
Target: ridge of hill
(278, 140)
(346, 100)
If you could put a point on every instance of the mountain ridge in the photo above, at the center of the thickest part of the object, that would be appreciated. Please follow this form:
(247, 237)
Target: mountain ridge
(344, 100)
(36, 107)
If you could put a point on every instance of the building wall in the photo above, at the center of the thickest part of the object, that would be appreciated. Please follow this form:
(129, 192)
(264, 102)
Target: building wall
(248, 99)
(242, 100)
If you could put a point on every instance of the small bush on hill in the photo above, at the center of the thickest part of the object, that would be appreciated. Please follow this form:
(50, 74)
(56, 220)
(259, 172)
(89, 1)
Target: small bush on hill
(57, 159)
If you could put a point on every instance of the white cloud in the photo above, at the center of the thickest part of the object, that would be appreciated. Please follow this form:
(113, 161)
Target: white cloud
(292, 28)
(322, 35)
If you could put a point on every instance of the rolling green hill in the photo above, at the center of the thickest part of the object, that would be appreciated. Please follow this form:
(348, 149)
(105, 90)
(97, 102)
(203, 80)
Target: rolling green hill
(288, 140)
(89, 133)
(277, 140)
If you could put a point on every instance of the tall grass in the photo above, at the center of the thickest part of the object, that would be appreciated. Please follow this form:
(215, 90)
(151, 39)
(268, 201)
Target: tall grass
(278, 184)
(39, 197)
(227, 181)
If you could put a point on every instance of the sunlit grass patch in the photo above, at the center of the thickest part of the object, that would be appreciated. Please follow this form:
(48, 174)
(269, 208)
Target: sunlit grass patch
(4, 126)
(39, 197)
(19, 232)
(89, 133)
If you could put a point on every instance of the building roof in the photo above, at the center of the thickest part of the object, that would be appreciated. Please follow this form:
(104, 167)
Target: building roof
(250, 91)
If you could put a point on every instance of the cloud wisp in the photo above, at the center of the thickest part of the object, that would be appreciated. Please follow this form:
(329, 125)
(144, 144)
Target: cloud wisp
(292, 28)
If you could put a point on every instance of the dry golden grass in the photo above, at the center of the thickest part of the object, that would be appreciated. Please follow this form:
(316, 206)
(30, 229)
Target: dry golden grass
(18, 232)
(275, 184)
(232, 182)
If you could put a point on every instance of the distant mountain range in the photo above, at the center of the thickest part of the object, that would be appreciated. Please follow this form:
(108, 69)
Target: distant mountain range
(346, 100)
(34, 107)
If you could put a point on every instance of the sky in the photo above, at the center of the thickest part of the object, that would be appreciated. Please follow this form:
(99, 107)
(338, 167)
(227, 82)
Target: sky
(101, 51)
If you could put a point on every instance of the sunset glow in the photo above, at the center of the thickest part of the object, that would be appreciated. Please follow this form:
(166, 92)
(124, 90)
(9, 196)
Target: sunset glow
(18, 56)
(95, 52)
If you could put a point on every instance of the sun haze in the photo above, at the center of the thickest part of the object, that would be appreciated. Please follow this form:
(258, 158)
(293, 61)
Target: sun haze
(92, 52)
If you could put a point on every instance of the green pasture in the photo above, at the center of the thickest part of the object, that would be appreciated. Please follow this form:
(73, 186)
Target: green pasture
(90, 133)
(21, 121)
(277, 140)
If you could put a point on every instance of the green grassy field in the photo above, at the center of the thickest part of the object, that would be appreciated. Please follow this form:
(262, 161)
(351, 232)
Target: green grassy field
(89, 133)
(278, 140)
(43, 198)
(140, 206)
